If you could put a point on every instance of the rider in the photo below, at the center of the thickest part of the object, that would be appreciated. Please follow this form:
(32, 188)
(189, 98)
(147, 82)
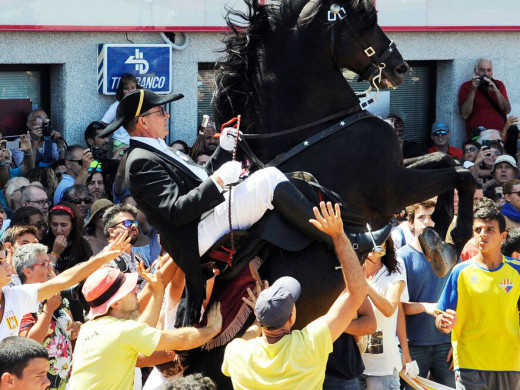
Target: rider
(176, 195)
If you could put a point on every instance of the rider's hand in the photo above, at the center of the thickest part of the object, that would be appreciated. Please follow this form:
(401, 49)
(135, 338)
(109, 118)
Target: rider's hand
(229, 172)
(227, 138)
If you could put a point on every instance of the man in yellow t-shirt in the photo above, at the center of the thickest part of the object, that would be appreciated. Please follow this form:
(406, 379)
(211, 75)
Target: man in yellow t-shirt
(270, 355)
(485, 292)
(108, 346)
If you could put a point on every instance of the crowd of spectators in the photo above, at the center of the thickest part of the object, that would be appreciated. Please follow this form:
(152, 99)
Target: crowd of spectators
(66, 211)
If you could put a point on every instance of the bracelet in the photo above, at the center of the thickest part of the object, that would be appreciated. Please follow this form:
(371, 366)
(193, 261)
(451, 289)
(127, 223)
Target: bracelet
(27, 154)
(54, 253)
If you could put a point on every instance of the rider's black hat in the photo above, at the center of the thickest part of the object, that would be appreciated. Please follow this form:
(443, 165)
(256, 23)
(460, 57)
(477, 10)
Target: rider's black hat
(134, 104)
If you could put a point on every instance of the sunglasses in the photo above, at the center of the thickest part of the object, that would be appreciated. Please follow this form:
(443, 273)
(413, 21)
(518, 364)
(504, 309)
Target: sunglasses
(161, 110)
(94, 169)
(511, 193)
(495, 153)
(440, 133)
(470, 149)
(127, 223)
(80, 162)
(45, 264)
(81, 200)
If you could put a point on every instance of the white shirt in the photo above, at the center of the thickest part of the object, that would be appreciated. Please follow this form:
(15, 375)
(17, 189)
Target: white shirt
(385, 353)
(120, 134)
(19, 300)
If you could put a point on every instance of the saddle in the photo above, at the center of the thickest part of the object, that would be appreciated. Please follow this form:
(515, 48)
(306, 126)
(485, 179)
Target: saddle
(273, 229)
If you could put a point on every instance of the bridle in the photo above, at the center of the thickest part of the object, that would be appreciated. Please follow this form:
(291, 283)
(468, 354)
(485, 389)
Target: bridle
(373, 73)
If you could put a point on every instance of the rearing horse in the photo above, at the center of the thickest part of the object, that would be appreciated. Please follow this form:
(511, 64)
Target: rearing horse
(285, 72)
(282, 73)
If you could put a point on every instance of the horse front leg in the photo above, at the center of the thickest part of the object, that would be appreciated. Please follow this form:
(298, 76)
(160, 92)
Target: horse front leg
(415, 186)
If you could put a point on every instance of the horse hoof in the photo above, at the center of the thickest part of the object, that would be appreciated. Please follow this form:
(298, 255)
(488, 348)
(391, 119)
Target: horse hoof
(442, 256)
(444, 260)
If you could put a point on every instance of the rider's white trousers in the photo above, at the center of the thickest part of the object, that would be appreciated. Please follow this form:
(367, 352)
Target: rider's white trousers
(249, 201)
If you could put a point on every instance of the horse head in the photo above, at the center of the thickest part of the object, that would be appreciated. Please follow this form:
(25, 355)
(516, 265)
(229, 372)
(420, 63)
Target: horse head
(354, 39)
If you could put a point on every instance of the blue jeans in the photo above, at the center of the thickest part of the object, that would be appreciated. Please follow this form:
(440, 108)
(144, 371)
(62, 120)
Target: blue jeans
(432, 359)
(386, 382)
(334, 383)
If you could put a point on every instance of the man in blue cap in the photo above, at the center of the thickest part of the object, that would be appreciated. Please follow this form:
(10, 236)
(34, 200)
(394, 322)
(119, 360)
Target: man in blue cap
(441, 140)
(270, 355)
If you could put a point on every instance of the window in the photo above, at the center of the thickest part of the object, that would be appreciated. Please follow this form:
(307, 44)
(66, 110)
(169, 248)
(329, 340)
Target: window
(24, 88)
(205, 88)
(414, 100)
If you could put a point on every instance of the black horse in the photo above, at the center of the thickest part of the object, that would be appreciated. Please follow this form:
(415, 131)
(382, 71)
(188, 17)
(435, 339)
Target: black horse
(283, 71)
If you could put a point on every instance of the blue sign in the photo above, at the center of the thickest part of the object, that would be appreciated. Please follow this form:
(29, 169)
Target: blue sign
(151, 65)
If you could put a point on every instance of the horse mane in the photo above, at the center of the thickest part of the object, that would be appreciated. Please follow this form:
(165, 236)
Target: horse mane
(236, 79)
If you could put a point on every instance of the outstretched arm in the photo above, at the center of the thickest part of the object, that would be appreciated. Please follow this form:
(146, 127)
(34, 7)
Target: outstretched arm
(190, 337)
(346, 305)
(81, 271)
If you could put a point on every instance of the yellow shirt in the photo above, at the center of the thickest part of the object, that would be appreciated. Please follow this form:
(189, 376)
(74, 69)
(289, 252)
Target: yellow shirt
(297, 361)
(106, 353)
(486, 336)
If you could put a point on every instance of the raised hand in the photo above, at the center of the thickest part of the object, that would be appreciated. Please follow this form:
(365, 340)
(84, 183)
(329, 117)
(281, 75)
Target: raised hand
(25, 143)
(115, 248)
(154, 280)
(329, 220)
(253, 294)
(215, 317)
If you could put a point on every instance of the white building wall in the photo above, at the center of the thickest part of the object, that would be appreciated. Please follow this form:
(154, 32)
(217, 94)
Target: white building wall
(76, 102)
(456, 53)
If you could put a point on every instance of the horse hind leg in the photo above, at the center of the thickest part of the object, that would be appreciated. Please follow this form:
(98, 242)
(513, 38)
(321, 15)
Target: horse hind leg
(464, 226)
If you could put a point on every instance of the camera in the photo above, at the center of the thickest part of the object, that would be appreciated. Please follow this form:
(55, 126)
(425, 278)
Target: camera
(74, 293)
(484, 83)
(98, 152)
(47, 129)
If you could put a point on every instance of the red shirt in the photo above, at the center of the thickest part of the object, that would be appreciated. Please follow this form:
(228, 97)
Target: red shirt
(483, 113)
(452, 151)
(470, 250)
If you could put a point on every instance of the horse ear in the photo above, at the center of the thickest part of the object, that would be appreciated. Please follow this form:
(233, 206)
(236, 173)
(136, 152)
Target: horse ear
(290, 10)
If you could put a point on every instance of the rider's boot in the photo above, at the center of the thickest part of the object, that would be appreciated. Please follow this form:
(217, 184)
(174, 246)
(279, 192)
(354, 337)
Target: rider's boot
(297, 210)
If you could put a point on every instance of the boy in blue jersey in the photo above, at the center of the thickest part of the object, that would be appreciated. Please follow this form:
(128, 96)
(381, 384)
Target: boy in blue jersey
(484, 291)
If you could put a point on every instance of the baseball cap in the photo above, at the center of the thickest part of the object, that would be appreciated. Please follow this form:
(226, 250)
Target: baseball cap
(275, 304)
(507, 159)
(105, 287)
(136, 103)
(439, 126)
